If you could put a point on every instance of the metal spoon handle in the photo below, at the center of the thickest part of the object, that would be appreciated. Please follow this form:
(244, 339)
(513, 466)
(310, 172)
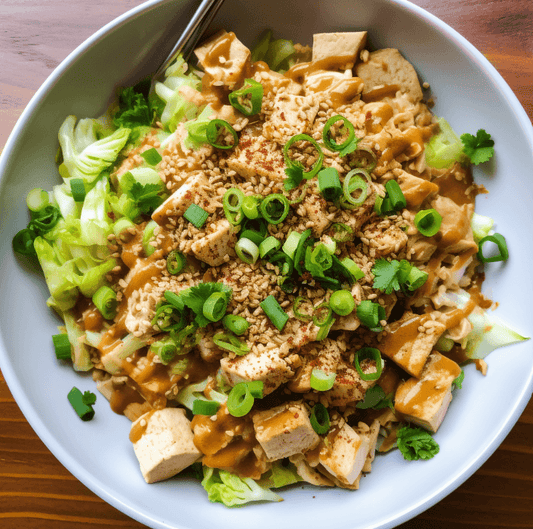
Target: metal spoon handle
(192, 33)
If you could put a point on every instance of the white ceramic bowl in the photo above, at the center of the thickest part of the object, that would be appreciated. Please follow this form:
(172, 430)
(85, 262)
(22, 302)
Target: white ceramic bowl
(468, 92)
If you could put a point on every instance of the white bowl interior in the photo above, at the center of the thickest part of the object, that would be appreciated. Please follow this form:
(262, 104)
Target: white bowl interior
(467, 91)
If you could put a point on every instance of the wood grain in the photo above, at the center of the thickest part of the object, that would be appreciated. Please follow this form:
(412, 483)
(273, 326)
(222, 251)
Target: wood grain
(36, 491)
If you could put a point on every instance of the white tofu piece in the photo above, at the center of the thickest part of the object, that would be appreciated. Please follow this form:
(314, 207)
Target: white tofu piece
(291, 115)
(388, 68)
(316, 211)
(268, 366)
(340, 49)
(407, 346)
(308, 473)
(285, 430)
(371, 433)
(177, 203)
(256, 156)
(385, 238)
(163, 443)
(349, 386)
(345, 454)
(273, 80)
(424, 401)
(215, 246)
(224, 57)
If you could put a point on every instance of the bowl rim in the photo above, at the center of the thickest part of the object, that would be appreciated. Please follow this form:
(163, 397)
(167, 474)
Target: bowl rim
(72, 465)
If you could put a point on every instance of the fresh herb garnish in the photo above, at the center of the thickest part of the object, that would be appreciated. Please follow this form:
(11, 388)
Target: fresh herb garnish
(458, 382)
(397, 275)
(146, 197)
(415, 444)
(134, 110)
(88, 398)
(295, 174)
(479, 148)
(376, 399)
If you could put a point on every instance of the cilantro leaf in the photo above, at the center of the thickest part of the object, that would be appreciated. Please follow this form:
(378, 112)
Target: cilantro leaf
(479, 148)
(415, 444)
(375, 398)
(295, 174)
(134, 110)
(88, 398)
(348, 149)
(386, 275)
(458, 382)
(146, 197)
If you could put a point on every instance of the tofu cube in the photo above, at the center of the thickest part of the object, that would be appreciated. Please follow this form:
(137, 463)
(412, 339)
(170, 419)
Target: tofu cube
(216, 245)
(163, 443)
(385, 238)
(425, 401)
(407, 346)
(284, 431)
(224, 58)
(341, 49)
(349, 386)
(345, 455)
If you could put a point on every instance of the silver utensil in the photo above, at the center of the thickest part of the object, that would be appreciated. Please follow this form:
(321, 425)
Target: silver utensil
(191, 35)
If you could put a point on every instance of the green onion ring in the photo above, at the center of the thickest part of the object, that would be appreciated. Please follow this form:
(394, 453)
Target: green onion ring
(319, 418)
(274, 208)
(353, 181)
(329, 142)
(370, 353)
(240, 400)
(246, 250)
(213, 130)
(289, 163)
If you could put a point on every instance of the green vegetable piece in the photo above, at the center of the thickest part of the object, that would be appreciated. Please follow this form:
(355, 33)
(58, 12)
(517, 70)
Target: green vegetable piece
(62, 347)
(322, 381)
(319, 418)
(342, 302)
(479, 148)
(105, 300)
(415, 444)
(152, 156)
(205, 407)
(247, 99)
(274, 312)
(240, 400)
(196, 215)
(76, 398)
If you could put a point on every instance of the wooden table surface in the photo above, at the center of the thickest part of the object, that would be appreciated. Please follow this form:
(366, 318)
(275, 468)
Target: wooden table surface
(36, 491)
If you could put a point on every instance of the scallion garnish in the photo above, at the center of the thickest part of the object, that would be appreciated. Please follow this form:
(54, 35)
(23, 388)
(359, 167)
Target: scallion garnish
(62, 346)
(274, 312)
(82, 403)
(319, 418)
(268, 247)
(23, 242)
(148, 236)
(250, 207)
(395, 195)
(232, 205)
(299, 302)
(341, 232)
(77, 188)
(215, 306)
(213, 131)
(274, 208)
(246, 250)
(37, 199)
(256, 388)
(152, 156)
(165, 349)
(322, 314)
(287, 264)
(355, 183)
(299, 254)
(322, 381)
(295, 169)
(205, 407)
(247, 99)
(168, 317)
(364, 158)
(240, 400)
(428, 221)
(236, 324)
(121, 228)
(351, 270)
(329, 183)
(196, 215)
(499, 240)
(370, 353)
(105, 300)
(291, 243)
(348, 145)
(176, 262)
(342, 302)
(370, 314)
(256, 237)
(229, 342)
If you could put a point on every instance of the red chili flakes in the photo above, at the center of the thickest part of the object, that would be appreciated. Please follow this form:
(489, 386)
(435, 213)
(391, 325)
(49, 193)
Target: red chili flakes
(368, 116)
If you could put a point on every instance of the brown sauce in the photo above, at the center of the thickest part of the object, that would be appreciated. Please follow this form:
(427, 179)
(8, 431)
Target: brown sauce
(138, 428)
(454, 189)
(405, 332)
(220, 52)
(123, 396)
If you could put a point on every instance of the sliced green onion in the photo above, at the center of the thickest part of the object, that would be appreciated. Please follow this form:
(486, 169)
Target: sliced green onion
(291, 243)
(269, 246)
(253, 235)
(274, 208)
(341, 232)
(378, 205)
(499, 241)
(322, 381)
(299, 254)
(121, 228)
(250, 207)
(396, 196)
(23, 242)
(105, 300)
(77, 188)
(85, 411)
(342, 302)
(176, 262)
(236, 324)
(213, 130)
(169, 317)
(302, 316)
(324, 330)
(247, 99)
(240, 400)
(287, 284)
(62, 346)
(205, 407)
(196, 215)
(322, 314)
(215, 306)
(351, 270)
(319, 257)
(319, 418)
(329, 142)
(370, 314)
(152, 156)
(428, 221)
(174, 299)
(287, 265)
(256, 388)
(37, 199)
(370, 353)
(232, 205)
(329, 183)
(246, 250)
(274, 312)
(289, 163)
(148, 235)
(416, 278)
(165, 349)
(353, 182)
(364, 158)
(186, 338)
(231, 343)
(45, 219)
